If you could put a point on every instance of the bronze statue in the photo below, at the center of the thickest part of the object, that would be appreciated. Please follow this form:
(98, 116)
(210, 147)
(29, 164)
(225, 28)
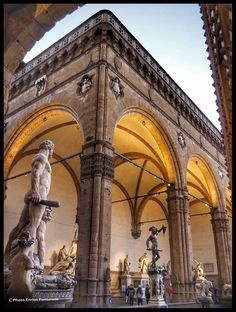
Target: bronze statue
(153, 239)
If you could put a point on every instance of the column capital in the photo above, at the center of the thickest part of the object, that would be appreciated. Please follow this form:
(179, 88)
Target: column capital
(177, 194)
(97, 164)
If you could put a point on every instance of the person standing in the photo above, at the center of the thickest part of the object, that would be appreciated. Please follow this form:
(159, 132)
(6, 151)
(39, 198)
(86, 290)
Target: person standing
(147, 293)
(127, 295)
(139, 294)
(131, 294)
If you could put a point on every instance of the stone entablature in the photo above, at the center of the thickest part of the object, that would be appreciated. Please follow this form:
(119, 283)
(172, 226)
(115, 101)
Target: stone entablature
(71, 45)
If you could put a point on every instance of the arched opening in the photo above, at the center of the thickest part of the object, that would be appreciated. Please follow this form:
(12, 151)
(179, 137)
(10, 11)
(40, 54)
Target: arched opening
(58, 125)
(203, 197)
(138, 197)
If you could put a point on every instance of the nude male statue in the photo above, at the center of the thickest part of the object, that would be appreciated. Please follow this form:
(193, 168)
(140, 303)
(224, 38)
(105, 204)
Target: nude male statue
(153, 239)
(33, 211)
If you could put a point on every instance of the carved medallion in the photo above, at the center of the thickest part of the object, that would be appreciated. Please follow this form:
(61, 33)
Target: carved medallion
(116, 87)
(84, 85)
(181, 139)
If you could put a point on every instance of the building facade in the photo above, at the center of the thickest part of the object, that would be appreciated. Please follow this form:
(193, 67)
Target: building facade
(217, 20)
(143, 153)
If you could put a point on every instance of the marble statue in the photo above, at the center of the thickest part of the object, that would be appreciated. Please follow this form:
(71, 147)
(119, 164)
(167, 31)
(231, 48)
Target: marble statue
(127, 264)
(33, 211)
(198, 271)
(22, 267)
(66, 265)
(66, 261)
(143, 263)
(62, 254)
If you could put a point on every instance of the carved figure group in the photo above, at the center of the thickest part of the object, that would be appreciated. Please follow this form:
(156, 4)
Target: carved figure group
(31, 218)
(21, 266)
(66, 261)
(198, 271)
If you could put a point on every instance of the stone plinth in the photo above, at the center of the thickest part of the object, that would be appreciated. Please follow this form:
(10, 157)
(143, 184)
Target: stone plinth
(157, 287)
(140, 279)
(125, 281)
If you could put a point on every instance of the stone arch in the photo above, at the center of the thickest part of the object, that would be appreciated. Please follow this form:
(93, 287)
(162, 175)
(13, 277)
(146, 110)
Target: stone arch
(168, 163)
(153, 124)
(66, 186)
(29, 124)
(209, 189)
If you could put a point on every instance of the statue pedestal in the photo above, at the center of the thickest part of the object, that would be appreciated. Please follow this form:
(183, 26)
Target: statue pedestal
(157, 287)
(125, 281)
(140, 279)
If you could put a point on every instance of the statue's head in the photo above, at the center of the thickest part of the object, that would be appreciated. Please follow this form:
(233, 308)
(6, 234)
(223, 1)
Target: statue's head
(47, 145)
(153, 229)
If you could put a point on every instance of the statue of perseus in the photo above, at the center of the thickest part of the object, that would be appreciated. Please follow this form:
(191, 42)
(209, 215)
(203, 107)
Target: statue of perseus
(153, 239)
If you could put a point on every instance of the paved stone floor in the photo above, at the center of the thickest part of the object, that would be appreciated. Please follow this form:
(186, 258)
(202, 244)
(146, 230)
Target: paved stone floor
(119, 303)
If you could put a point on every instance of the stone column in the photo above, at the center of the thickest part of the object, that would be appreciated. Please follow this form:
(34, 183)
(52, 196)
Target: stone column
(223, 245)
(94, 234)
(180, 244)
